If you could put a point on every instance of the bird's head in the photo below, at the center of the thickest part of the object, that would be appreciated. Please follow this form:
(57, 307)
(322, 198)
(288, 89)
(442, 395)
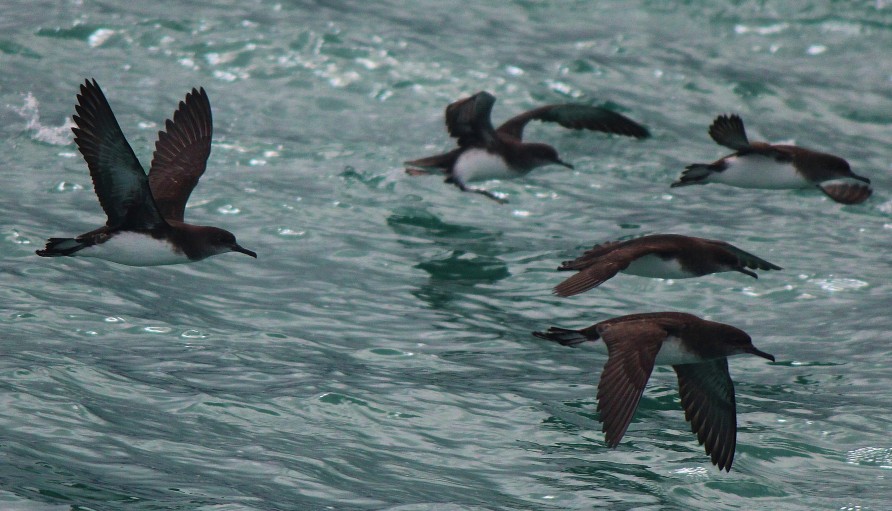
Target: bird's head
(544, 154)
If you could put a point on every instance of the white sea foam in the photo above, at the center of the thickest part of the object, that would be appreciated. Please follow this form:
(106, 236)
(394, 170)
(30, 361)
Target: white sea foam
(56, 135)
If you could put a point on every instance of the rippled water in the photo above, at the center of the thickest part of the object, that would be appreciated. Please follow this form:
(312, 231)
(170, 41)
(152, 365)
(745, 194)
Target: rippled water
(378, 353)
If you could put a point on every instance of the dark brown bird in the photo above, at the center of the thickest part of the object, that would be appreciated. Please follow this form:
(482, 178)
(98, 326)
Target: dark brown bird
(696, 349)
(487, 153)
(662, 256)
(767, 166)
(145, 224)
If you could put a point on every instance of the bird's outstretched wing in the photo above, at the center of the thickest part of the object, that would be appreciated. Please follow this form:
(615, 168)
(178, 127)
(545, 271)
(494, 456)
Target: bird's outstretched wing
(632, 348)
(468, 120)
(728, 130)
(576, 116)
(181, 154)
(118, 179)
(707, 396)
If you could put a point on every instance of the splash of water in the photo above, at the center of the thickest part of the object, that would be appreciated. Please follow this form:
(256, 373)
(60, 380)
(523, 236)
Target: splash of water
(55, 135)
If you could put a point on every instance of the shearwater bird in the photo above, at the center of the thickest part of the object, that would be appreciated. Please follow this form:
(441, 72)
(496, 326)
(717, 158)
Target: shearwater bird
(487, 153)
(696, 349)
(768, 166)
(662, 256)
(145, 224)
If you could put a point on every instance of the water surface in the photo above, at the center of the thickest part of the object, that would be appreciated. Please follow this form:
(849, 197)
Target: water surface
(378, 353)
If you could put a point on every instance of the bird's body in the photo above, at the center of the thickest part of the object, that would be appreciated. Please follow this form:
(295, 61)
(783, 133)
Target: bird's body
(759, 171)
(145, 224)
(662, 256)
(774, 166)
(133, 248)
(487, 153)
(479, 164)
(656, 267)
(673, 352)
(696, 349)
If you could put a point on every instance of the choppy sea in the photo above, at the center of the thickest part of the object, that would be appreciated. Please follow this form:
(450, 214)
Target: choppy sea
(377, 355)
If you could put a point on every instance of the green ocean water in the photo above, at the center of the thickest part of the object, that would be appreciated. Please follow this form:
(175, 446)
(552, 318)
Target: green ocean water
(377, 355)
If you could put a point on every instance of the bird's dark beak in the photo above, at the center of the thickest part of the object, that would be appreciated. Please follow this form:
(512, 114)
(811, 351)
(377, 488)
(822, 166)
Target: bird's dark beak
(238, 248)
(565, 164)
(862, 179)
(760, 353)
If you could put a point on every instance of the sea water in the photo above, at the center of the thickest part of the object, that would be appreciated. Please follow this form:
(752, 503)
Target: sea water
(377, 354)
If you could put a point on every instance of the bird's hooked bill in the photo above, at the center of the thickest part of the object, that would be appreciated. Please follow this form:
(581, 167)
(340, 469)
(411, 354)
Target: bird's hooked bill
(243, 250)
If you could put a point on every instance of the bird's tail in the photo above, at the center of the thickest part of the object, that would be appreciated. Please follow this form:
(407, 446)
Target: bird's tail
(56, 247)
(565, 336)
(433, 164)
(695, 174)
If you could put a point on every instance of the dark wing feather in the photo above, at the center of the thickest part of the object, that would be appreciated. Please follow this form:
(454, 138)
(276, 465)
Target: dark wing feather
(181, 154)
(633, 348)
(588, 256)
(729, 132)
(780, 153)
(847, 193)
(576, 116)
(468, 120)
(671, 322)
(707, 396)
(592, 276)
(627, 251)
(118, 178)
(603, 261)
(565, 336)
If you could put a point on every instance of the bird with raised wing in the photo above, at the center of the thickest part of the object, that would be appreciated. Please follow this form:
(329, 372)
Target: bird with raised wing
(487, 153)
(775, 167)
(145, 225)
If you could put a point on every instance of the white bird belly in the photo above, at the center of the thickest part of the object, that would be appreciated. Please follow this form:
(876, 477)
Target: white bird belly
(672, 353)
(480, 165)
(135, 249)
(757, 171)
(656, 267)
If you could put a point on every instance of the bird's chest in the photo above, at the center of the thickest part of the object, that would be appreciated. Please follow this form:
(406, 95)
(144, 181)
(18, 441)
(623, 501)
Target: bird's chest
(758, 171)
(480, 165)
(656, 267)
(135, 249)
(673, 352)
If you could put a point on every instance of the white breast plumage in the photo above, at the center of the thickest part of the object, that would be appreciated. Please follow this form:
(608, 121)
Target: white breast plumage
(479, 165)
(656, 267)
(672, 353)
(135, 249)
(758, 171)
